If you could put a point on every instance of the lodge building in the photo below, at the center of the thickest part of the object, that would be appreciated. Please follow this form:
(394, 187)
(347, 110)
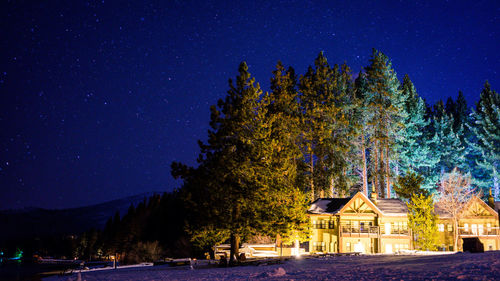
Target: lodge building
(380, 225)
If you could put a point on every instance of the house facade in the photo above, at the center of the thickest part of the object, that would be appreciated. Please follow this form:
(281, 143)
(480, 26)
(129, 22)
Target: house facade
(358, 224)
(477, 219)
(380, 225)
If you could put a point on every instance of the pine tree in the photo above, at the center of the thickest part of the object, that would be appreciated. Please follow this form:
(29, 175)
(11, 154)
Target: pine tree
(319, 113)
(413, 146)
(246, 181)
(409, 185)
(422, 221)
(485, 147)
(360, 124)
(385, 113)
(286, 200)
(445, 145)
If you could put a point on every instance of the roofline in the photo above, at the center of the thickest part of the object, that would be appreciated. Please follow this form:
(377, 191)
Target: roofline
(475, 197)
(360, 194)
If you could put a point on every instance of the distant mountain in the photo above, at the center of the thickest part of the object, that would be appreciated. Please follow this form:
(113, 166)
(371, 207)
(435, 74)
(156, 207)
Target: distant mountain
(29, 222)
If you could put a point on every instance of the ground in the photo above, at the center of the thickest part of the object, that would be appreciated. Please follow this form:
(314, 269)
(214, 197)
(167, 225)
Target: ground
(460, 266)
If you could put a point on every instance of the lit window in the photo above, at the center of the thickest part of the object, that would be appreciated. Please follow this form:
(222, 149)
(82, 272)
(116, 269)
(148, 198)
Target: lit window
(441, 227)
(473, 228)
(387, 228)
(466, 227)
(450, 227)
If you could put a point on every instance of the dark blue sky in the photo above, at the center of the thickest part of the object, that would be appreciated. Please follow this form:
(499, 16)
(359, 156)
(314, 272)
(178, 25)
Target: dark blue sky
(98, 98)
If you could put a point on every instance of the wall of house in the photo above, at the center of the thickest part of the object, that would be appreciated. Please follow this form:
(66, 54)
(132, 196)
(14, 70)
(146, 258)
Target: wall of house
(324, 234)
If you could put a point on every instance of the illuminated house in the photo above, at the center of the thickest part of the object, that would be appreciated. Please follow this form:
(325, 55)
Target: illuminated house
(371, 225)
(477, 219)
(358, 224)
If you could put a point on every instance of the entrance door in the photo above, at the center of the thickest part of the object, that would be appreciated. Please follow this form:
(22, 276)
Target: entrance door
(388, 248)
(359, 247)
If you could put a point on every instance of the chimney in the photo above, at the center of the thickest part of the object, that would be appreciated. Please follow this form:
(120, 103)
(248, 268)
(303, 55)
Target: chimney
(373, 195)
(491, 201)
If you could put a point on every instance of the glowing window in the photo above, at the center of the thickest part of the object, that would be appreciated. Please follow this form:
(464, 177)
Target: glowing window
(441, 227)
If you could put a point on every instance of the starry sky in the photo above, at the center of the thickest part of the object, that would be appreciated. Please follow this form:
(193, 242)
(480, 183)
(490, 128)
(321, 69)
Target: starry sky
(97, 98)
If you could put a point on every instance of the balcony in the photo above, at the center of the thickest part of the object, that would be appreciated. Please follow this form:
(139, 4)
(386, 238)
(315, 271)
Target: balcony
(360, 230)
(396, 231)
(489, 231)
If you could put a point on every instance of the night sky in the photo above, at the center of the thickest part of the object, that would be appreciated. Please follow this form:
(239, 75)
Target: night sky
(98, 98)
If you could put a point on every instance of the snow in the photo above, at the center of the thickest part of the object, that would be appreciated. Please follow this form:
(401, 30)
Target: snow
(461, 266)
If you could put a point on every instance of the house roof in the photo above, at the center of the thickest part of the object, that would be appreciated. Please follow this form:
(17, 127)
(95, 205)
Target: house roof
(438, 210)
(444, 214)
(327, 206)
(330, 206)
(392, 206)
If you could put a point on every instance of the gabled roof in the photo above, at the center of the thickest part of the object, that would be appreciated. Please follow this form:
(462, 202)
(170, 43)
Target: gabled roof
(361, 196)
(327, 206)
(392, 207)
(481, 203)
(384, 206)
(442, 213)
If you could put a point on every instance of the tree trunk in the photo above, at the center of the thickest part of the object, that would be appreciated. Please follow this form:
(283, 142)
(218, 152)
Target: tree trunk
(235, 247)
(365, 173)
(382, 173)
(311, 179)
(387, 171)
(455, 234)
(375, 174)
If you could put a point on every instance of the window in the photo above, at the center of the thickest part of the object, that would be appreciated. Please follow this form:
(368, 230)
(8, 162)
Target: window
(466, 227)
(488, 227)
(319, 246)
(331, 224)
(450, 227)
(480, 229)
(441, 227)
(323, 224)
(387, 228)
(348, 246)
(473, 228)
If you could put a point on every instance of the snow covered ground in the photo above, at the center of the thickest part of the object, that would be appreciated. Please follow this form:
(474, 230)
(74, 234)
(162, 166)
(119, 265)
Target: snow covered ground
(460, 266)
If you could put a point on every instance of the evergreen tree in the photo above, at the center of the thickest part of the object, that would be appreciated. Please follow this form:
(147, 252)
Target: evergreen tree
(248, 166)
(385, 113)
(413, 146)
(486, 143)
(422, 221)
(409, 185)
(445, 145)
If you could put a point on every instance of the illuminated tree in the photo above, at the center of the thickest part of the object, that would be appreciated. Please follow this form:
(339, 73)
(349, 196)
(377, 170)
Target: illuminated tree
(409, 185)
(422, 221)
(412, 145)
(325, 128)
(485, 146)
(384, 113)
(455, 192)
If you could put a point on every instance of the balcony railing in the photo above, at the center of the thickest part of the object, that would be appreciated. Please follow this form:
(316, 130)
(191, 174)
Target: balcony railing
(397, 231)
(488, 231)
(360, 229)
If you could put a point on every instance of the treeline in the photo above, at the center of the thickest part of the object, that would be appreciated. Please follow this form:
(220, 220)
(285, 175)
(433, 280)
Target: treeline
(151, 230)
(324, 133)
